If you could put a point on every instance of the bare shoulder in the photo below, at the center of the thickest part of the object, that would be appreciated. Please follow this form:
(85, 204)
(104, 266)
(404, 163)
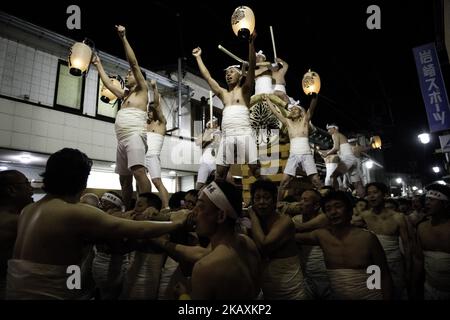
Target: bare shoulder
(365, 214)
(248, 243)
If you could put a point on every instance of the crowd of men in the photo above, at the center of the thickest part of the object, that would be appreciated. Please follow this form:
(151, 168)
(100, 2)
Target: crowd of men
(284, 244)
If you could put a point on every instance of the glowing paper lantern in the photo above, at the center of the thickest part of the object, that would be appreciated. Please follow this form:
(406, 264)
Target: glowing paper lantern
(243, 22)
(311, 82)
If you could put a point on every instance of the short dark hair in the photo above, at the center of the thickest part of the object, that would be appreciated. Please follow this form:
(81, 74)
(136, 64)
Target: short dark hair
(175, 200)
(7, 179)
(338, 195)
(66, 172)
(266, 185)
(233, 195)
(289, 199)
(152, 200)
(379, 185)
(361, 200)
(317, 193)
(193, 192)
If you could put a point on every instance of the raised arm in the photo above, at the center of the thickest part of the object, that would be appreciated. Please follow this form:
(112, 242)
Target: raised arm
(274, 110)
(250, 79)
(277, 236)
(312, 107)
(157, 102)
(118, 92)
(131, 57)
(197, 53)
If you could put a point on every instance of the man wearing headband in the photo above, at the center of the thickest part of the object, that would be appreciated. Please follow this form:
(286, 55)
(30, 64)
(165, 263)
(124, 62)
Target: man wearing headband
(348, 161)
(111, 202)
(278, 75)
(348, 252)
(274, 235)
(209, 141)
(388, 226)
(432, 254)
(230, 267)
(130, 123)
(300, 154)
(156, 129)
(237, 133)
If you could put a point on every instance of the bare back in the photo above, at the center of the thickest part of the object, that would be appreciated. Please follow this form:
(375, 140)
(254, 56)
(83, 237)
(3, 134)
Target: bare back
(339, 138)
(49, 224)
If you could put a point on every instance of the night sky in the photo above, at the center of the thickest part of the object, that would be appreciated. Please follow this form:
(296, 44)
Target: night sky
(369, 78)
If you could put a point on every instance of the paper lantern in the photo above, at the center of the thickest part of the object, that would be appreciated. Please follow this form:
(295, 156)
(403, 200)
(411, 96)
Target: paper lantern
(243, 22)
(80, 58)
(311, 82)
(376, 142)
(106, 95)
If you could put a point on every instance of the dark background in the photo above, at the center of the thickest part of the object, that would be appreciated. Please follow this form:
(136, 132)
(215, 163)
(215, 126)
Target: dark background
(369, 78)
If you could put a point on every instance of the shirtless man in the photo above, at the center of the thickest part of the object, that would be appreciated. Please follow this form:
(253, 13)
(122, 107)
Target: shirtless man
(130, 125)
(300, 153)
(15, 194)
(156, 130)
(388, 225)
(348, 163)
(52, 232)
(231, 260)
(432, 251)
(208, 141)
(236, 128)
(274, 234)
(278, 75)
(348, 252)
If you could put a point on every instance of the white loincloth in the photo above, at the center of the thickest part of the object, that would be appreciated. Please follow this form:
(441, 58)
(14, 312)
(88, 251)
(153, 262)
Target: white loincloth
(437, 275)
(109, 271)
(283, 279)
(143, 276)
(391, 247)
(317, 284)
(236, 134)
(279, 87)
(300, 146)
(263, 84)
(154, 143)
(330, 167)
(28, 280)
(130, 121)
(350, 161)
(351, 284)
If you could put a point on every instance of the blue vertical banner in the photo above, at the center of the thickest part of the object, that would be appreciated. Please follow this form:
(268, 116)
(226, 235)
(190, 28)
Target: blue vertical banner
(433, 88)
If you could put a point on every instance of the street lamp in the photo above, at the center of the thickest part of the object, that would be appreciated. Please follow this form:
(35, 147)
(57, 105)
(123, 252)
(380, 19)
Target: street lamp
(399, 180)
(436, 169)
(414, 188)
(424, 138)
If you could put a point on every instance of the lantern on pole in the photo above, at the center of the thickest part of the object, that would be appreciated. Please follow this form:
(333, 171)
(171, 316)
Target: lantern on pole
(376, 142)
(80, 58)
(243, 22)
(311, 82)
(106, 95)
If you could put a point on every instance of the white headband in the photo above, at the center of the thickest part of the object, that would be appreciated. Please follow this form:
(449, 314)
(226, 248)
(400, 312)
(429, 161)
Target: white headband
(112, 198)
(329, 126)
(433, 194)
(260, 53)
(213, 192)
(236, 66)
(214, 119)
